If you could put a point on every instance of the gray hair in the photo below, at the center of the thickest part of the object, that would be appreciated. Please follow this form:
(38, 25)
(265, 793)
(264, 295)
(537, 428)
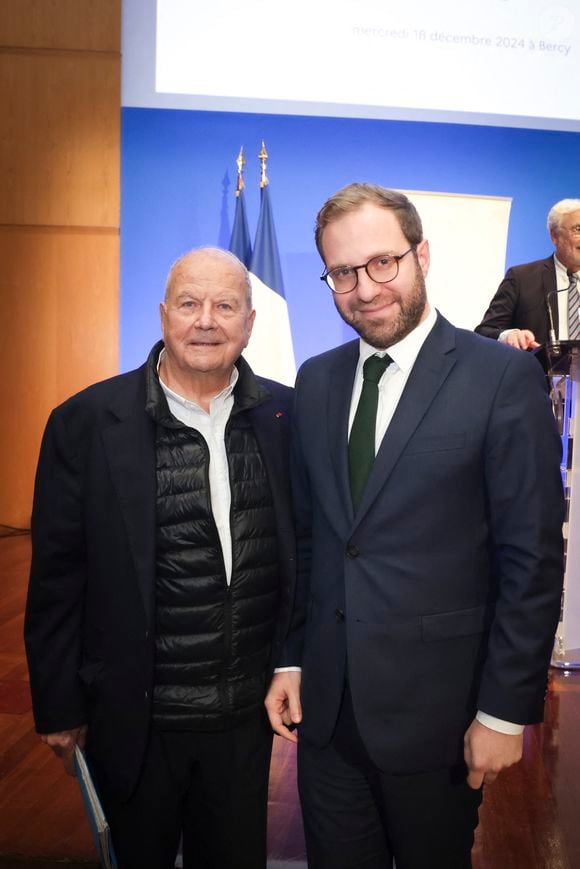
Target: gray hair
(558, 211)
(218, 253)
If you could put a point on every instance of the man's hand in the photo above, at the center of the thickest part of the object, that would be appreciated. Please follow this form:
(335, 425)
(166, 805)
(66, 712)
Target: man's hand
(283, 703)
(487, 752)
(63, 744)
(521, 339)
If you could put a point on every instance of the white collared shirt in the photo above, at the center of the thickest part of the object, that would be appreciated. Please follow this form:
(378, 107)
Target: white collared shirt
(394, 380)
(212, 427)
(562, 283)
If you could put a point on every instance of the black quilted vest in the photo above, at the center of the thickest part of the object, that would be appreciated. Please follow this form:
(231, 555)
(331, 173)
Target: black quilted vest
(212, 640)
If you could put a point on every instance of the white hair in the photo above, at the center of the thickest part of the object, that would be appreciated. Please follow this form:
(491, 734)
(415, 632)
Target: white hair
(560, 210)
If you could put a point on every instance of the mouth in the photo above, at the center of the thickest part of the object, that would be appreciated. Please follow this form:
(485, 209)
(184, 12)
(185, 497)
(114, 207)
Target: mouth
(204, 343)
(377, 309)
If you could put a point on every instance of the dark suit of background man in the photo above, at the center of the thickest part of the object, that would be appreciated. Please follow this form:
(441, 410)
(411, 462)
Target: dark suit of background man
(425, 614)
(518, 313)
(162, 553)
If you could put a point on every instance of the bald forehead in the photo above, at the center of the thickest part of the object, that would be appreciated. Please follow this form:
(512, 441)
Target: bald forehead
(208, 267)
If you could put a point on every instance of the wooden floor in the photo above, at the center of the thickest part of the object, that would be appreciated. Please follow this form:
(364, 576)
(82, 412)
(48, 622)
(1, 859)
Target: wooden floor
(530, 818)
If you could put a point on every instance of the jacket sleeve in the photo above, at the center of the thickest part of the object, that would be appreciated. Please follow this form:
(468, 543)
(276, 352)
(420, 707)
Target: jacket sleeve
(54, 609)
(501, 312)
(526, 510)
(301, 498)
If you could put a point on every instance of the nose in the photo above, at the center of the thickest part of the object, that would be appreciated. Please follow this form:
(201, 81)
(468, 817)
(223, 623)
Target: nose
(366, 288)
(205, 318)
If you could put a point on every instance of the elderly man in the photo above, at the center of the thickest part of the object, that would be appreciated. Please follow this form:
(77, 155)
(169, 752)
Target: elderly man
(429, 514)
(161, 580)
(529, 295)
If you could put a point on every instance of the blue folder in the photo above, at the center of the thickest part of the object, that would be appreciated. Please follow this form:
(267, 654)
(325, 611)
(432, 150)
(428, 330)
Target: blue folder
(99, 825)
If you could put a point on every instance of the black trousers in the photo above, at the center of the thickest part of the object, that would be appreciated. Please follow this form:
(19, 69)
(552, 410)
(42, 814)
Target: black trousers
(358, 817)
(210, 788)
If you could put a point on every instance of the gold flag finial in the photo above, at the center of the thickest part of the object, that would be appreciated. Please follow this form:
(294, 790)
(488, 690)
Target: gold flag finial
(263, 155)
(240, 163)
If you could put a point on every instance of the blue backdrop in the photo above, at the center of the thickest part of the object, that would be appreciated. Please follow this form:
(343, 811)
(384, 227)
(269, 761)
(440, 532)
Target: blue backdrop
(178, 184)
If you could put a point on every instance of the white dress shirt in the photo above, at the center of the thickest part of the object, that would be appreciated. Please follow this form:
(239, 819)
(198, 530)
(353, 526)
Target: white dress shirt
(562, 283)
(212, 427)
(394, 379)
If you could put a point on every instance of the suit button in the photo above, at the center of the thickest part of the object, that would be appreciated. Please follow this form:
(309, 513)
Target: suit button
(352, 551)
(146, 694)
(339, 615)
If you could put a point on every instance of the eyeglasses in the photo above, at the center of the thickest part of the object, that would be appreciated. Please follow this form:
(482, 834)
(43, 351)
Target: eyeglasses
(573, 230)
(380, 269)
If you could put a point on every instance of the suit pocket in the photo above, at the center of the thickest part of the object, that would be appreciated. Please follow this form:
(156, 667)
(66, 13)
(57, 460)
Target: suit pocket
(435, 443)
(459, 623)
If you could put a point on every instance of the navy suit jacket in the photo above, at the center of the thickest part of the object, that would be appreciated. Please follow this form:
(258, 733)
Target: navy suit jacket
(441, 594)
(91, 605)
(521, 301)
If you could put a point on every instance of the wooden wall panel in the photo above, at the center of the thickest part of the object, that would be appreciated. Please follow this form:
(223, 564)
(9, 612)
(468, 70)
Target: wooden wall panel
(60, 78)
(61, 122)
(59, 307)
(93, 25)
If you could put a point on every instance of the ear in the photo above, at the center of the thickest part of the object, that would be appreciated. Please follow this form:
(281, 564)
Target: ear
(424, 256)
(162, 314)
(250, 325)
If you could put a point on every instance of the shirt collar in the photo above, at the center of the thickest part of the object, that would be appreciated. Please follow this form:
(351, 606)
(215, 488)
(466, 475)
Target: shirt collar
(561, 268)
(405, 351)
(185, 402)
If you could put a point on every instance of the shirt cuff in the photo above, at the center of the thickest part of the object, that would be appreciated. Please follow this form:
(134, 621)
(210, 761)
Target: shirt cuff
(499, 724)
(503, 336)
(288, 670)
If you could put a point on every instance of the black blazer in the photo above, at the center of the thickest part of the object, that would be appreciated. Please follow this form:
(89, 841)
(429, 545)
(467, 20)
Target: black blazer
(521, 301)
(90, 613)
(442, 593)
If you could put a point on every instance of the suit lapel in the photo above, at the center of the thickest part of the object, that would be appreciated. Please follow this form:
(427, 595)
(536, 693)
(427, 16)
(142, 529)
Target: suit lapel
(130, 448)
(550, 285)
(432, 366)
(338, 408)
(270, 426)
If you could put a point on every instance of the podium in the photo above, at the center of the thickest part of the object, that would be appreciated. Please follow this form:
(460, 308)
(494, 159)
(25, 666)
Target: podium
(561, 362)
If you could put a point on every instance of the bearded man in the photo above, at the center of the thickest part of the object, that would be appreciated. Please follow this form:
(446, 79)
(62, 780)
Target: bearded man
(429, 513)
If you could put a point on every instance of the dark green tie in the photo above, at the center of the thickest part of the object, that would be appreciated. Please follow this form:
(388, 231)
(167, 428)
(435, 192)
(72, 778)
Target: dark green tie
(361, 444)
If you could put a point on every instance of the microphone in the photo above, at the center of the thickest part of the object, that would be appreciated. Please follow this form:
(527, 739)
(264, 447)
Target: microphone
(552, 331)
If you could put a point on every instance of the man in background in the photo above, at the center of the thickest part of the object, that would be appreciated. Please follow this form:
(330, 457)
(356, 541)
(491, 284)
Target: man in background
(429, 513)
(519, 313)
(161, 580)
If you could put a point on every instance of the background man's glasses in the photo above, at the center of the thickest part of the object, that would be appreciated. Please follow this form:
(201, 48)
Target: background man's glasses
(380, 269)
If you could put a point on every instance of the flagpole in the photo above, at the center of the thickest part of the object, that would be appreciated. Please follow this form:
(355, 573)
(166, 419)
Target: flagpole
(240, 242)
(263, 155)
(240, 163)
